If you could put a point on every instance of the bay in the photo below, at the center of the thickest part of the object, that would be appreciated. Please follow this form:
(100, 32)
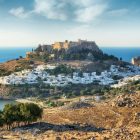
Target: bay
(4, 102)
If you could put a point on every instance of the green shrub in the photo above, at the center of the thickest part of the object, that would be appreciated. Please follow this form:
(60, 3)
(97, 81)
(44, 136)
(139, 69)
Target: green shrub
(19, 113)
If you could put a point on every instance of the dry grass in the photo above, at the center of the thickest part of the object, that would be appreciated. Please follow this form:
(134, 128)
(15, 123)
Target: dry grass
(120, 123)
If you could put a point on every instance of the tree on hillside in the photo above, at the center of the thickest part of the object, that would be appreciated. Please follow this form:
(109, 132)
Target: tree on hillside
(1, 119)
(14, 114)
(8, 115)
(30, 112)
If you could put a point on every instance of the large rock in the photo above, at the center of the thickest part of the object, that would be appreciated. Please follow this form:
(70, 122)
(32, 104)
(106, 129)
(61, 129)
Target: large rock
(76, 105)
(136, 61)
(43, 48)
(127, 100)
(89, 46)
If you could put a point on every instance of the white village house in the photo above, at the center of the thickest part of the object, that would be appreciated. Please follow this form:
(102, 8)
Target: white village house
(39, 73)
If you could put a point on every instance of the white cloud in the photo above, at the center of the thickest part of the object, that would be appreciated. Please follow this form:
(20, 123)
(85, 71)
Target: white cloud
(52, 9)
(81, 10)
(89, 10)
(19, 12)
(74, 10)
(118, 12)
(90, 13)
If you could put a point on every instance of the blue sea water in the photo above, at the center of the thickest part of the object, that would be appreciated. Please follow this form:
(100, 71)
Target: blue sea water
(4, 102)
(127, 53)
(12, 53)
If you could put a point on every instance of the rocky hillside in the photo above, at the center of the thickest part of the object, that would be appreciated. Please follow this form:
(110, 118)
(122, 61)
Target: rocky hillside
(17, 65)
(86, 50)
(115, 119)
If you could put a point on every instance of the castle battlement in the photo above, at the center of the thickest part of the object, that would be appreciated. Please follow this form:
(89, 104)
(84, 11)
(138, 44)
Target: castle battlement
(67, 44)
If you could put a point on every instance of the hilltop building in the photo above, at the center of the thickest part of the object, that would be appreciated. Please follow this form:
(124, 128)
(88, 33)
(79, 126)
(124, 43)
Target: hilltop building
(70, 50)
(76, 48)
(68, 44)
(80, 44)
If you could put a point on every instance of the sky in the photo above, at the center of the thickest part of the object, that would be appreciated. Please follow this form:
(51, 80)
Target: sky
(33, 22)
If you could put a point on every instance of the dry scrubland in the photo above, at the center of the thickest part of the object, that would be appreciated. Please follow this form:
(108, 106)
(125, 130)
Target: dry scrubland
(16, 65)
(115, 119)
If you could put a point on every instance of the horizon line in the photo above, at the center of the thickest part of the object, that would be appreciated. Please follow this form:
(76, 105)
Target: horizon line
(29, 46)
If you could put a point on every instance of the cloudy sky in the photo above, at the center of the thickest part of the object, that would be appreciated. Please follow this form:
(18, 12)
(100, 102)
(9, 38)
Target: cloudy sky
(108, 22)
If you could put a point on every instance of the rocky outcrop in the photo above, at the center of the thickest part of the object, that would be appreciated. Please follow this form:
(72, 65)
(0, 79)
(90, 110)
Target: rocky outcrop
(128, 100)
(136, 61)
(89, 46)
(76, 105)
(43, 48)
(70, 46)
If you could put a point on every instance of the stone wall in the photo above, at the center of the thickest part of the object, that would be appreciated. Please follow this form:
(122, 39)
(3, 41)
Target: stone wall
(79, 45)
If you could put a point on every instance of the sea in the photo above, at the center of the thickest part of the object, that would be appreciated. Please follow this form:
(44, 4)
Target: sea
(126, 53)
(4, 102)
(6, 54)
(10, 53)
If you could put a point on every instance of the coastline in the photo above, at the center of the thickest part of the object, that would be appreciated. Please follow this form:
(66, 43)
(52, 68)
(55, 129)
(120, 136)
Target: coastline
(5, 102)
(7, 99)
(130, 52)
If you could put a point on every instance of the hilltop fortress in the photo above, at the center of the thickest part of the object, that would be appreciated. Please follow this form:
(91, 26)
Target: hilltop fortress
(80, 44)
(69, 50)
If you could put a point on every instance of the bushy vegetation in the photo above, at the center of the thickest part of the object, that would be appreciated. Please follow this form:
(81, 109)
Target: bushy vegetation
(14, 115)
(39, 57)
(61, 69)
(70, 54)
(42, 91)
(72, 91)
(15, 66)
(23, 64)
(89, 55)
(129, 88)
(4, 72)
(84, 90)
(50, 103)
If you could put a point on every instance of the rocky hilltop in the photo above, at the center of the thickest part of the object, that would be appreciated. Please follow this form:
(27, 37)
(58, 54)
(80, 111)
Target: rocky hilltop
(69, 50)
(70, 46)
(83, 45)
